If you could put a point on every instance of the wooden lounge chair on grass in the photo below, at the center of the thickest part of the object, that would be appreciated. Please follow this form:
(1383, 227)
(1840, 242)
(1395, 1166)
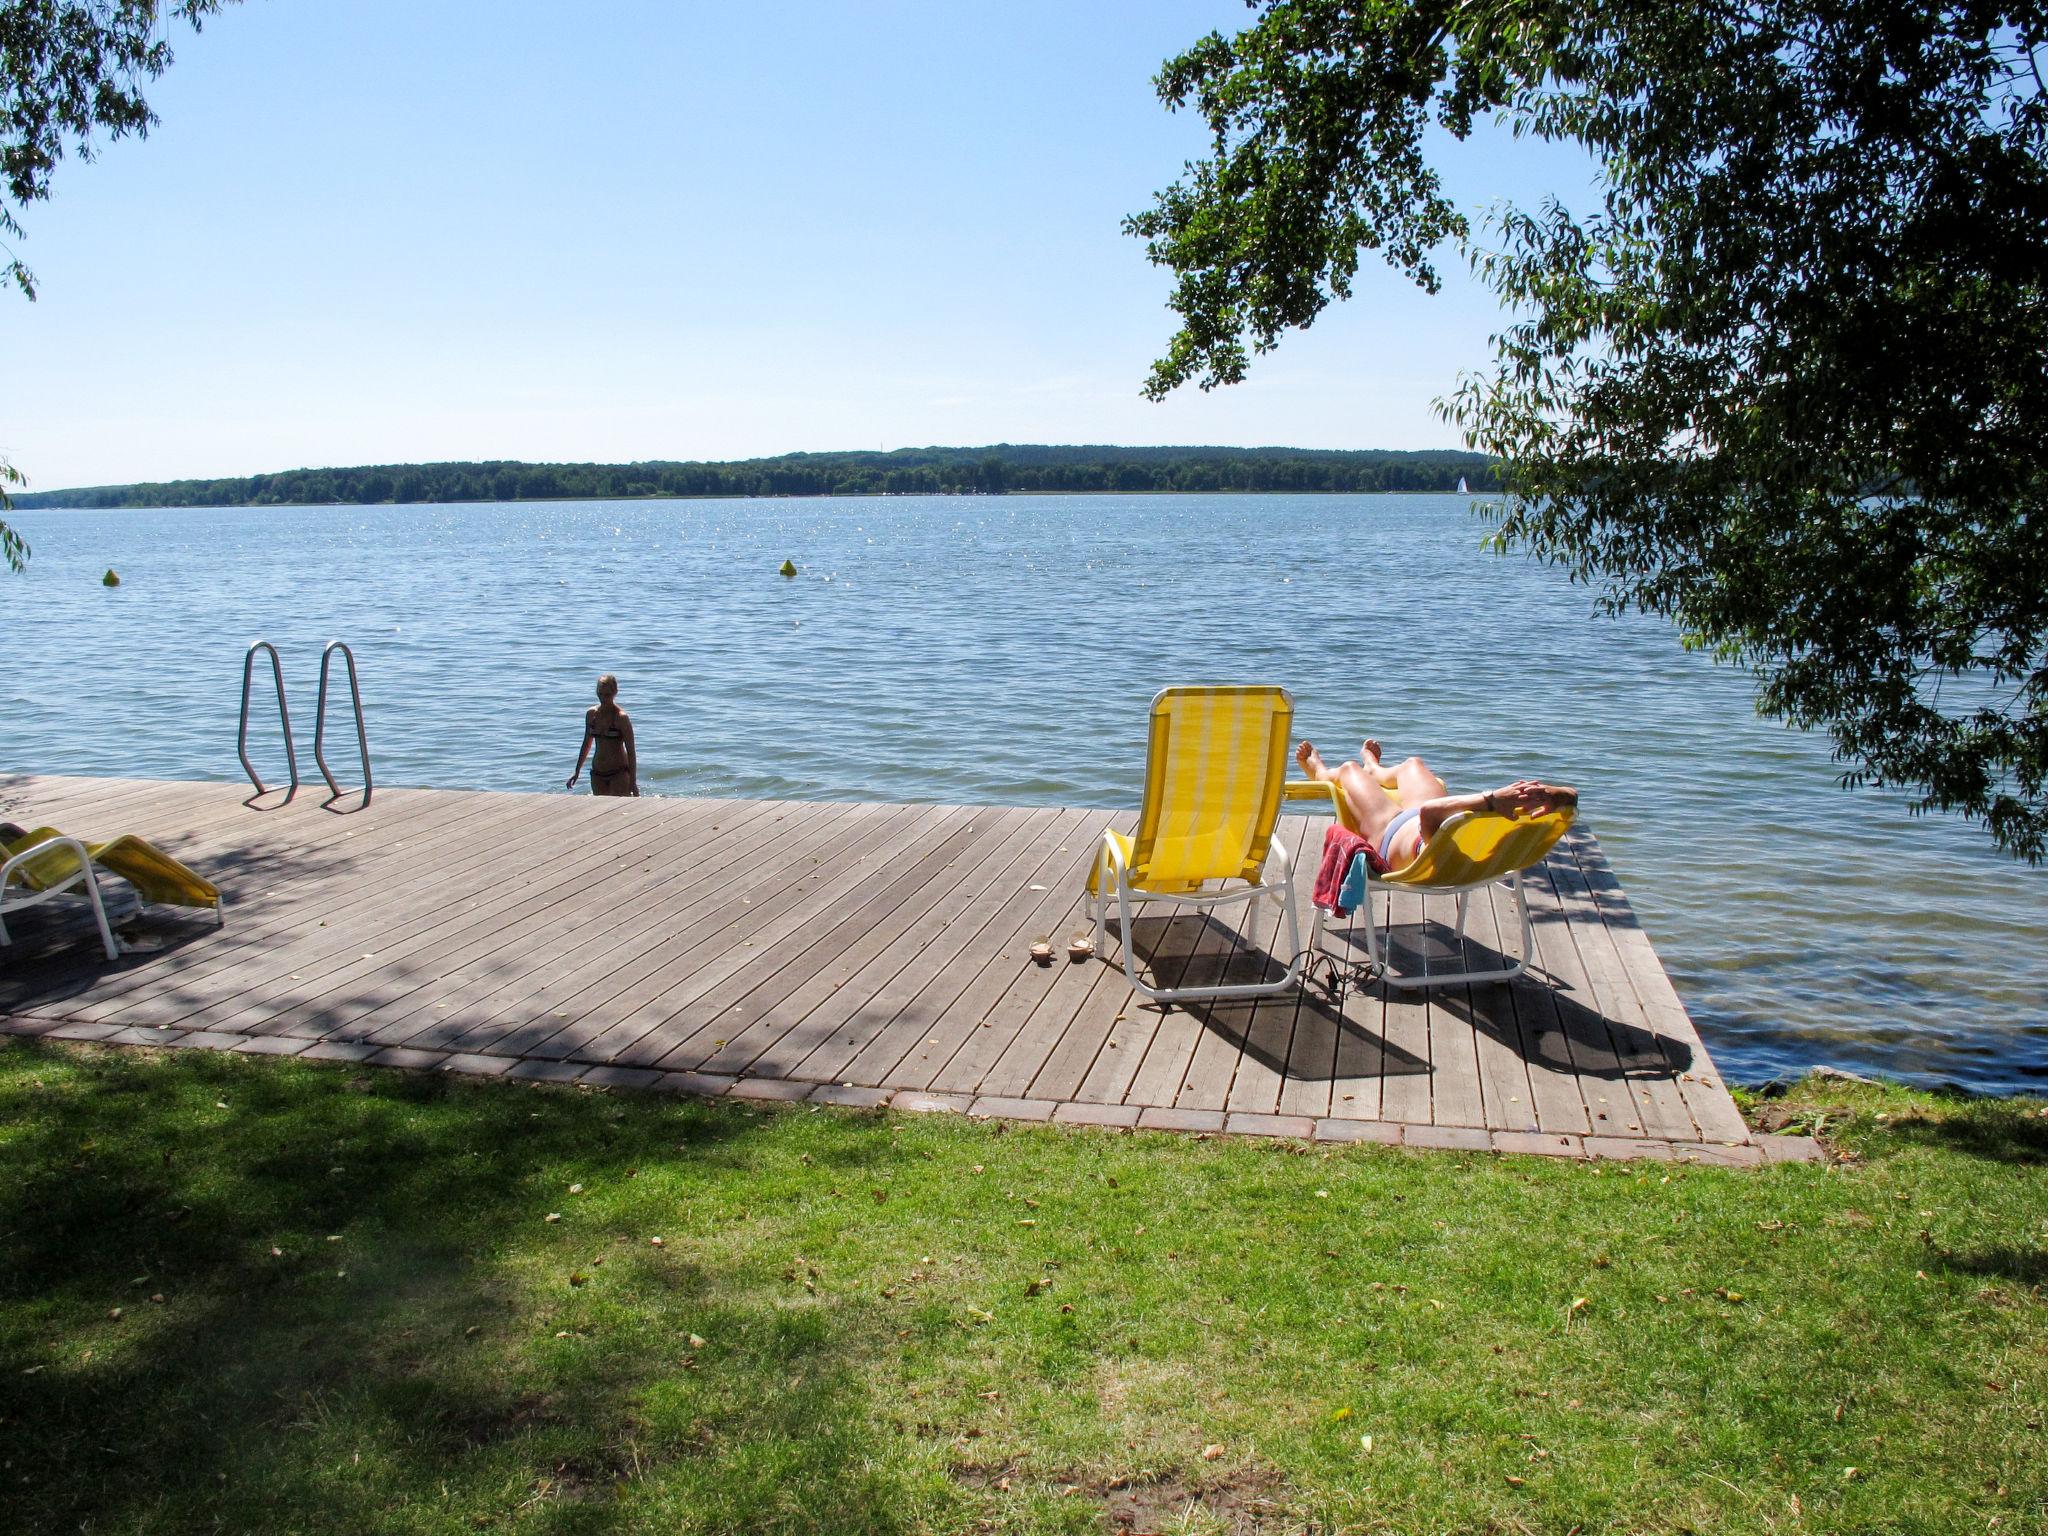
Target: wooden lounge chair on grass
(44, 864)
(1214, 771)
(1470, 851)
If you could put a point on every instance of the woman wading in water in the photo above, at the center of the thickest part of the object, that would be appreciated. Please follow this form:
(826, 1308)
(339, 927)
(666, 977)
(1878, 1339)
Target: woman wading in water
(616, 768)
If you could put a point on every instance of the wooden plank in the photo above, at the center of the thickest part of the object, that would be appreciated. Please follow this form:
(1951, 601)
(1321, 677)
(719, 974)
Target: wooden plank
(1100, 1028)
(1504, 1078)
(867, 1045)
(794, 863)
(1049, 993)
(299, 938)
(1698, 1080)
(601, 938)
(755, 858)
(290, 907)
(1185, 942)
(1267, 1039)
(859, 1011)
(743, 982)
(1553, 1072)
(517, 894)
(950, 1014)
(882, 935)
(1227, 1022)
(223, 862)
(1661, 1109)
(1603, 1077)
(1409, 1096)
(489, 979)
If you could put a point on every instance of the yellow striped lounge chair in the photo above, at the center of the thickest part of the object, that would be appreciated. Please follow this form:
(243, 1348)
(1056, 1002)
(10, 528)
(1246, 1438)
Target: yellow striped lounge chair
(37, 866)
(1215, 769)
(1470, 851)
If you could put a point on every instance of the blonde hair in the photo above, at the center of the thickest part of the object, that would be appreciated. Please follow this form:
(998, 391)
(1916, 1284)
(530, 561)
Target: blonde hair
(607, 688)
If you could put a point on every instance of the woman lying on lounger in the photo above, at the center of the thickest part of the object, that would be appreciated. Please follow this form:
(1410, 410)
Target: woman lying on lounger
(1400, 808)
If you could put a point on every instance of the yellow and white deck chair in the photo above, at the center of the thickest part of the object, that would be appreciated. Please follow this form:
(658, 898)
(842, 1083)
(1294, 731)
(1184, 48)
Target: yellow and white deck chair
(1470, 851)
(1215, 768)
(44, 864)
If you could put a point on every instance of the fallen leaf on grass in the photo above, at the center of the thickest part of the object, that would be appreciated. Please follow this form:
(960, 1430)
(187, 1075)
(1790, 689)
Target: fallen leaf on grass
(553, 1216)
(1211, 1452)
(1340, 1415)
(697, 1341)
(579, 1278)
(654, 1242)
(1578, 1304)
(1037, 1287)
(115, 1313)
(1516, 1482)
(575, 1189)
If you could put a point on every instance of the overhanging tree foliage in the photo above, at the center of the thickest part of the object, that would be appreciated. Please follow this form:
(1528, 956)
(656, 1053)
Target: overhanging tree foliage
(1786, 384)
(70, 70)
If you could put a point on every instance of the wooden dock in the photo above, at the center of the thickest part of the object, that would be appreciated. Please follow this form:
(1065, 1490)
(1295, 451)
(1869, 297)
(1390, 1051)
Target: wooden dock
(853, 954)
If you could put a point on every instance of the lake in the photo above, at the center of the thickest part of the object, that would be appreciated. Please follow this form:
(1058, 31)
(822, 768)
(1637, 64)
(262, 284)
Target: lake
(1003, 650)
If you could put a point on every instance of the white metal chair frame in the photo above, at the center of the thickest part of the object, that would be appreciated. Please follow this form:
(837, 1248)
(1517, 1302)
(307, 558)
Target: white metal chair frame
(1109, 859)
(15, 898)
(1512, 880)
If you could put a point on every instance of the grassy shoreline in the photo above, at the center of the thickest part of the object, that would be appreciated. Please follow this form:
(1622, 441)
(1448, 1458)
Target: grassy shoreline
(857, 1322)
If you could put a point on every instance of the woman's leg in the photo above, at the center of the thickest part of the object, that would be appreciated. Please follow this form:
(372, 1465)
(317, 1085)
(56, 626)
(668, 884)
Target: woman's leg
(1371, 807)
(1415, 783)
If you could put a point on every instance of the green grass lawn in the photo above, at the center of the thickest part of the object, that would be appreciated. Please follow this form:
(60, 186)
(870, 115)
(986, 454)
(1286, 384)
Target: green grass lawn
(250, 1295)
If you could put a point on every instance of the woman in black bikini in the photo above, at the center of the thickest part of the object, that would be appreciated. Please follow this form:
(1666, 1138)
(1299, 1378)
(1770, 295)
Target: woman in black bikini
(616, 768)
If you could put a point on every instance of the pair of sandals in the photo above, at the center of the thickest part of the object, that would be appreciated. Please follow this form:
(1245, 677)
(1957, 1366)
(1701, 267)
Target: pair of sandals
(1077, 949)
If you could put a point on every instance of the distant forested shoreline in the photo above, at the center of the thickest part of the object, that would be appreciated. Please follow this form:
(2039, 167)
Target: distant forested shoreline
(1002, 468)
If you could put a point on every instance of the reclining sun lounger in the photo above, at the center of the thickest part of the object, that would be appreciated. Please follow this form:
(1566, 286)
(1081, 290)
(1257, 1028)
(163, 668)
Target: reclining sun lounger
(1214, 769)
(41, 865)
(1470, 851)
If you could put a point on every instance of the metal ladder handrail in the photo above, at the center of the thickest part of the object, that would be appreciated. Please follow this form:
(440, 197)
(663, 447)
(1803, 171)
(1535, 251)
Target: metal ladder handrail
(320, 721)
(284, 716)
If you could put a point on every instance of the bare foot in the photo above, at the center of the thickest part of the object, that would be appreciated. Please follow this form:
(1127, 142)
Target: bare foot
(1311, 762)
(1370, 753)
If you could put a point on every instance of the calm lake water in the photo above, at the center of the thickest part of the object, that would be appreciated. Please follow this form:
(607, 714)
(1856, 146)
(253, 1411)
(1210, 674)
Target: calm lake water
(1004, 650)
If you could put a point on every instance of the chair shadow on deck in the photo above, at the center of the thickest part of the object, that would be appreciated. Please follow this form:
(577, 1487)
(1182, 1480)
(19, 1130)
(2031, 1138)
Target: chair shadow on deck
(1538, 1015)
(1299, 1034)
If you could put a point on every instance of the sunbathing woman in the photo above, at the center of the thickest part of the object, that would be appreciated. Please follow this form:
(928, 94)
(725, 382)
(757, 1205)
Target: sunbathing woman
(1400, 808)
(616, 768)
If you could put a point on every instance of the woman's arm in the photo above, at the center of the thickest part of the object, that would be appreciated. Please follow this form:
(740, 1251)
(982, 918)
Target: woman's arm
(589, 727)
(632, 754)
(1524, 795)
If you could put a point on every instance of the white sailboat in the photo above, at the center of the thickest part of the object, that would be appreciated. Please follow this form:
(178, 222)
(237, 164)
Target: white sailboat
(1463, 488)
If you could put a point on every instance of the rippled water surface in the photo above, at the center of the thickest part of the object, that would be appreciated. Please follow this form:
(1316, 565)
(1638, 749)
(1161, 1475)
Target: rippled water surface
(1004, 650)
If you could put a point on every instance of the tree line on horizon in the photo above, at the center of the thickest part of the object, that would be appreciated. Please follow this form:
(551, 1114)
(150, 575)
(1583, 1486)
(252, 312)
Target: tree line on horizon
(905, 472)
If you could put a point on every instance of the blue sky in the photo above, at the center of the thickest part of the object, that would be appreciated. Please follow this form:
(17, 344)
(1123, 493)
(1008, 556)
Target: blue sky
(381, 232)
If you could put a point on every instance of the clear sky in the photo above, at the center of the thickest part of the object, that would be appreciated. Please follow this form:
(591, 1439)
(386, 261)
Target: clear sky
(386, 231)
